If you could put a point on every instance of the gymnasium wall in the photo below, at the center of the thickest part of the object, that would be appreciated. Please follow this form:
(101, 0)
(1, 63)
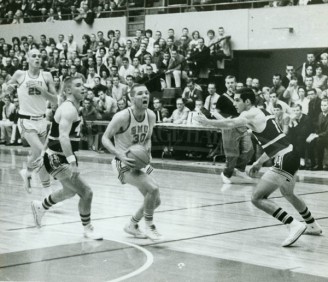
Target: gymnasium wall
(255, 29)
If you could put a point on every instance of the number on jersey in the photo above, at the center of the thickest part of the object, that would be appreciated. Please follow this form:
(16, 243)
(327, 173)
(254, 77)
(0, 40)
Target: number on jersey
(33, 91)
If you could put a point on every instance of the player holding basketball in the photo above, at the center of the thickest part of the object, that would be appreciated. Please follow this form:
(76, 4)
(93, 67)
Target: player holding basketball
(281, 175)
(134, 125)
(35, 87)
(60, 161)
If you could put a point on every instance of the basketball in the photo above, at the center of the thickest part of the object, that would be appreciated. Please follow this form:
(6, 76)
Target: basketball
(140, 155)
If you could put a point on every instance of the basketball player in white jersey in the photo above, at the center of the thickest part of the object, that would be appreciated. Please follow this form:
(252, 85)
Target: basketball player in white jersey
(281, 175)
(34, 88)
(134, 125)
(60, 161)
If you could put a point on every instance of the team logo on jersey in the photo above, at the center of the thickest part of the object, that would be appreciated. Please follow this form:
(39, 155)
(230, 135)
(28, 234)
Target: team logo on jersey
(139, 133)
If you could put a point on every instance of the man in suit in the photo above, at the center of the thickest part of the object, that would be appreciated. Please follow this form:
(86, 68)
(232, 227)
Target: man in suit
(192, 95)
(299, 130)
(319, 140)
(174, 69)
(160, 111)
(201, 56)
(314, 108)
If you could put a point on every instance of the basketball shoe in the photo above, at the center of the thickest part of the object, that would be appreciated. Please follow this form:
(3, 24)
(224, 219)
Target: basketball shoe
(296, 229)
(225, 179)
(242, 174)
(313, 229)
(27, 180)
(152, 233)
(133, 229)
(38, 212)
(90, 233)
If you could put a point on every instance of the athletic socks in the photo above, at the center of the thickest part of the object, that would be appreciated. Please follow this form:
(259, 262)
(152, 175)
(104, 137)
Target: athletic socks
(86, 219)
(148, 219)
(306, 214)
(48, 203)
(135, 220)
(282, 216)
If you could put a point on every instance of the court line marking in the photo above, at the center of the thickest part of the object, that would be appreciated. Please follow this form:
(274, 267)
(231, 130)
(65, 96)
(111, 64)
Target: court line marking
(169, 210)
(147, 264)
(144, 267)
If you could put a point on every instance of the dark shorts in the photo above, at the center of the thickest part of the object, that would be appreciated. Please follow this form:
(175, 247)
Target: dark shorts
(57, 166)
(283, 171)
(289, 162)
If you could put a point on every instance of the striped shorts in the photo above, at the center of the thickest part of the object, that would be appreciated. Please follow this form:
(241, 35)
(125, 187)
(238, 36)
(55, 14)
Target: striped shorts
(120, 168)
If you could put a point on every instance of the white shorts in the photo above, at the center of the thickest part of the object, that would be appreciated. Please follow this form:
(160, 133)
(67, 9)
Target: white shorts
(40, 127)
(120, 168)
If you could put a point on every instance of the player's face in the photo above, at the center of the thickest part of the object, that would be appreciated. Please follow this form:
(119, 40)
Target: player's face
(239, 103)
(77, 89)
(141, 97)
(34, 58)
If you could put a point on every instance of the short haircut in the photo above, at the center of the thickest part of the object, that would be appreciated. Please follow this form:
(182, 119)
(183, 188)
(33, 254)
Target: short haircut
(68, 82)
(277, 106)
(133, 89)
(230, 77)
(277, 75)
(125, 59)
(157, 99)
(247, 94)
(210, 31)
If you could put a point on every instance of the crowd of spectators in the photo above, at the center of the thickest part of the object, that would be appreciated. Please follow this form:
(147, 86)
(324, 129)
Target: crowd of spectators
(20, 11)
(110, 66)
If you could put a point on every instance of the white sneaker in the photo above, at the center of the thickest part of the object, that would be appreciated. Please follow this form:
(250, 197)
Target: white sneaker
(313, 229)
(134, 230)
(90, 233)
(38, 212)
(296, 229)
(152, 233)
(225, 179)
(27, 180)
(243, 175)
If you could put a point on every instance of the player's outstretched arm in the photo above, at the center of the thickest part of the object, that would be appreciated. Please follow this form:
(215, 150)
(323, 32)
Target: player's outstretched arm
(222, 123)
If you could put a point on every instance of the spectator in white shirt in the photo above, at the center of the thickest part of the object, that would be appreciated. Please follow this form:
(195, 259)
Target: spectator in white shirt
(125, 69)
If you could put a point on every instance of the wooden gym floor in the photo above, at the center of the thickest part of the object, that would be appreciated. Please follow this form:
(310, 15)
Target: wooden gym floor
(212, 231)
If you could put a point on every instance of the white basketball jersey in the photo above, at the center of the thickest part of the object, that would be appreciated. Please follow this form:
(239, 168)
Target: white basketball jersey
(136, 133)
(31, 102)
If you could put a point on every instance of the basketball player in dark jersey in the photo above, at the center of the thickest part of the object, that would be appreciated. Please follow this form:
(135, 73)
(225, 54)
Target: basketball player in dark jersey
(134, 125)
(281, 175)
(60, 161)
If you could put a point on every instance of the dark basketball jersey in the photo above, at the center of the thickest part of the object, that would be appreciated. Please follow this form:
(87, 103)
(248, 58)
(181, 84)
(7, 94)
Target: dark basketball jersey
(74, 136)
(271, 139)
